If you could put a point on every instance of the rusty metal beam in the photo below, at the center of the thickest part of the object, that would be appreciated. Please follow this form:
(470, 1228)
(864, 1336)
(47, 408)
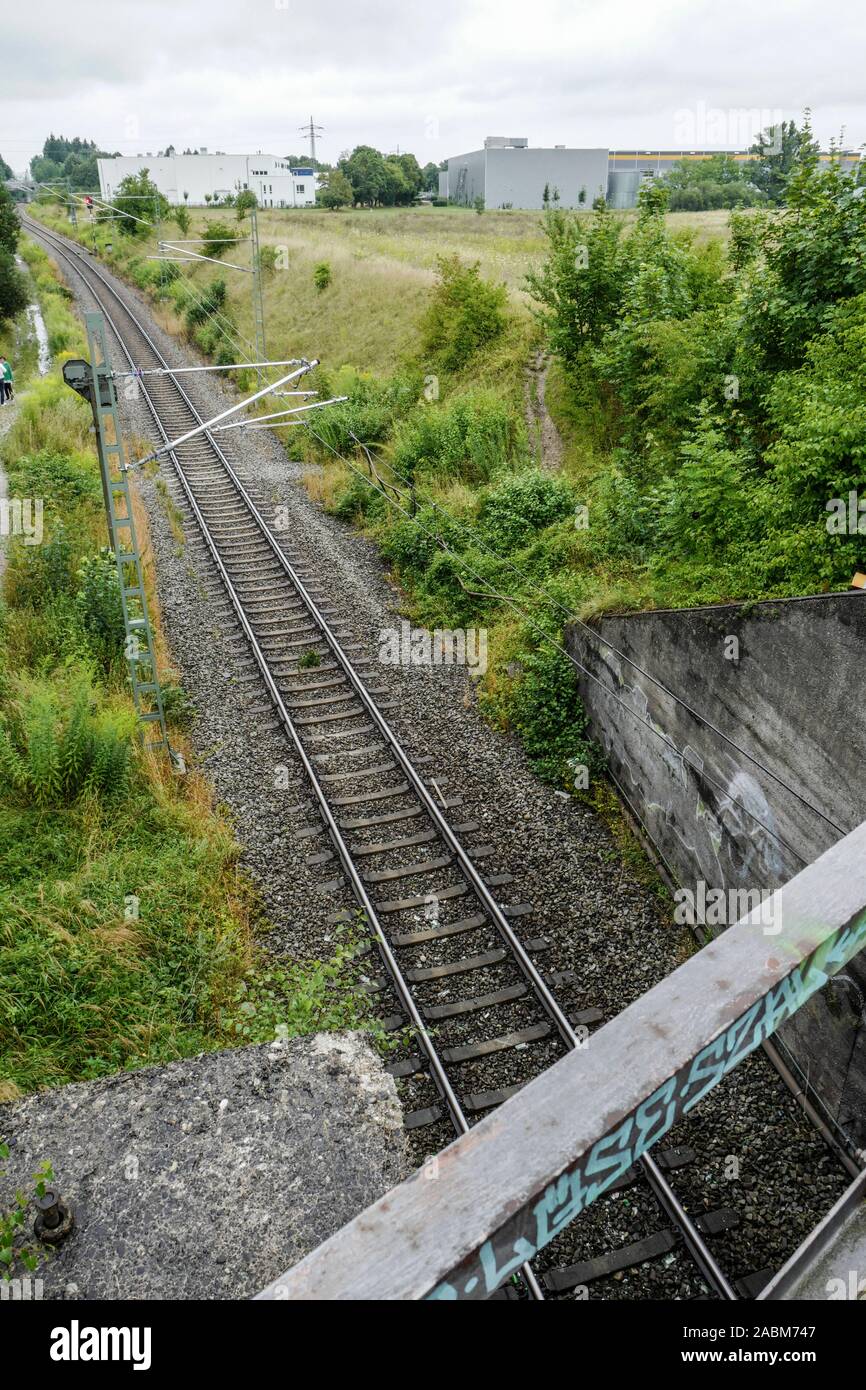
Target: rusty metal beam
(500, 1193)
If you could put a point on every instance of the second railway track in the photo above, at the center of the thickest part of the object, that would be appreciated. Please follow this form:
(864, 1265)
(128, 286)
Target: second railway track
(477, 997)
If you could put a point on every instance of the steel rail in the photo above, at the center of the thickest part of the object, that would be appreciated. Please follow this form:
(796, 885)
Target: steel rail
(661, 1188)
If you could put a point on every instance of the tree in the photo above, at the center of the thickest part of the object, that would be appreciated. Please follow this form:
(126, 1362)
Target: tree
(74, 160)
(181, 217)
(303, 161)
(5, 171)
(9, 224)
(580, 285)
(13, 288)
(652, 199)
(412, 172)
(812, 260)
(397, 189)
(244, 202)
(779, 148)
(139, 198)
(335, 191)
(430, 174)
(366, 172)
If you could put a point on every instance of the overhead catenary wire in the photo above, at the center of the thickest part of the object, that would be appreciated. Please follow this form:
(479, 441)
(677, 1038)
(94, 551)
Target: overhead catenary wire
(513, 603)
(223, 414)
(225, 324)
(221, 367)
(572, 617)
(279, 414)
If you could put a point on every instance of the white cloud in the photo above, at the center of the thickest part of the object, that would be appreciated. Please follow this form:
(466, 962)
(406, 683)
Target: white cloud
(432, 77)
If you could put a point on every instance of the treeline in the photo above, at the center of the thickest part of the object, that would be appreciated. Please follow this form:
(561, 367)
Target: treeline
(367, 178)
(74, 160)
(13, 290)
(720, 181)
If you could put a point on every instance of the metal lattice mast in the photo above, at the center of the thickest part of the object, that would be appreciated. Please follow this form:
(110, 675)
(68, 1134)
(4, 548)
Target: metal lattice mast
(258, 295)
(312, 131)
(139, 647)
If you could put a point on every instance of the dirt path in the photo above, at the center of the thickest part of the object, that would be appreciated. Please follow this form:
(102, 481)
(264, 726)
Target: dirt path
(543, 434)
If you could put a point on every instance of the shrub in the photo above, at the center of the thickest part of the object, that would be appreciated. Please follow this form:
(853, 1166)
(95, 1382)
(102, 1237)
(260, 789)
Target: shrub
(465, 314)
(36, 574)
(470, 437)
(244, 203)
(513, 511)
(56, 742)
(268, 259)
(547, 713)
(703, 504)
(211, 301)
(65, 479)
(322, 276)
(99, 605)
(217, 237)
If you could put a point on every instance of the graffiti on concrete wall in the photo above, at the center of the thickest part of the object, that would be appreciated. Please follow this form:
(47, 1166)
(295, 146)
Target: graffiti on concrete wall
(530, 1229)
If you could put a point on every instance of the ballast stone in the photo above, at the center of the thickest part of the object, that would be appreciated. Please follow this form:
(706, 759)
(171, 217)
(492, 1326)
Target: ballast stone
(207, 1178)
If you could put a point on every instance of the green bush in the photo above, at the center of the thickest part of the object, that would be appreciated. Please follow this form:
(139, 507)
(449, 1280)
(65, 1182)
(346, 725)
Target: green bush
(216, 237)
(470, 437)
(547, 713)
(210, 301)
(465, 314)
(37, 574)
(516, 508)
(63, 479)
(57, 741)
(322, 276)
(268, 259)
(369, 414)
(99, 605)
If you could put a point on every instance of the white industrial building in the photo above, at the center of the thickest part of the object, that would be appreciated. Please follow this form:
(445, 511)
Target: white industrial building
(506, 173)
(187, 178)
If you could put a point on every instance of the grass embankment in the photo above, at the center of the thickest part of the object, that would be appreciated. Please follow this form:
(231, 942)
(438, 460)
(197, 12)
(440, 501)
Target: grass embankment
(128, 934)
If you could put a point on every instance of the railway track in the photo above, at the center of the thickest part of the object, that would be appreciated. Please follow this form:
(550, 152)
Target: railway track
(475, 997)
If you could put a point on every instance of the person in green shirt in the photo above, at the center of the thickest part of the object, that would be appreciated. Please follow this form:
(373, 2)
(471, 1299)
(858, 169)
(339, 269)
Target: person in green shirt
(7, 379)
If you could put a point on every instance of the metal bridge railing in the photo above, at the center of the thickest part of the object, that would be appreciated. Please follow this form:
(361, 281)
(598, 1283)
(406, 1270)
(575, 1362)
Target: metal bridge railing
(500, 1193)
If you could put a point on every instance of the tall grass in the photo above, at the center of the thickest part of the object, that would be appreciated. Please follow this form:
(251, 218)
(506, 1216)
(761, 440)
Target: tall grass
(127, 931)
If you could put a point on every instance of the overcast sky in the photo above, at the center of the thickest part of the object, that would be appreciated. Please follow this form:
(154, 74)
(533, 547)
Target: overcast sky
(433, 78)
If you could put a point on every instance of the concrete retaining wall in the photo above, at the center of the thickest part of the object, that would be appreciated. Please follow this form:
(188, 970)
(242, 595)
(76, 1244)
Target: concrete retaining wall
(783, 680)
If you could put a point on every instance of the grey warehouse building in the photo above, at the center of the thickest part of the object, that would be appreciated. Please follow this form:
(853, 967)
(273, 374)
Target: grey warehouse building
(507, 173)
